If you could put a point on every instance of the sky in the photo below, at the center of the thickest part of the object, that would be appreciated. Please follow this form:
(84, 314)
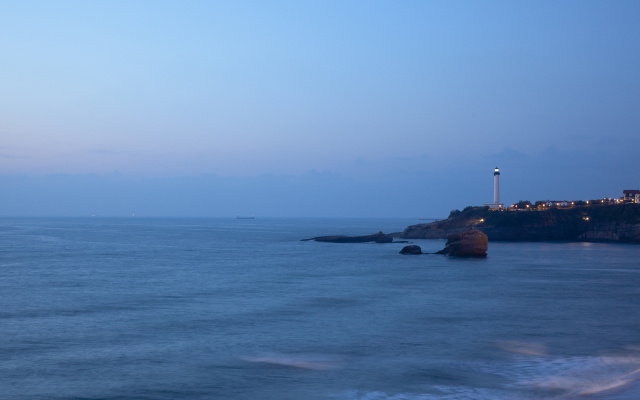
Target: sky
(314, 109)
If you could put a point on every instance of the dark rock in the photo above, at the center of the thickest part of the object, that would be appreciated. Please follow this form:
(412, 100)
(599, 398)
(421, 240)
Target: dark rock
(471, 243)
(376, 237)
(411, 250)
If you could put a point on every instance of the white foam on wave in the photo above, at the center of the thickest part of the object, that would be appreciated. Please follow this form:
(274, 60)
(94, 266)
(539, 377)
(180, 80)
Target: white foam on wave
(305, 361)
(580, 376)
(570, 376)
(534, 377)
(447, 393)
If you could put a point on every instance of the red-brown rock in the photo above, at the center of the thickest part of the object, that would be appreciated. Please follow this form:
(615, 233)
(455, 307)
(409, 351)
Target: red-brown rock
(471, 243)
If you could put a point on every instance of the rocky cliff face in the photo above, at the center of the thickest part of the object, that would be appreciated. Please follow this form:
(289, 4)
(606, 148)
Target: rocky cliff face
(614, 232)
(615, 223)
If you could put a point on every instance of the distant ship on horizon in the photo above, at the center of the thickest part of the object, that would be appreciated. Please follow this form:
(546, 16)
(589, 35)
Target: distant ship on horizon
(239, 217)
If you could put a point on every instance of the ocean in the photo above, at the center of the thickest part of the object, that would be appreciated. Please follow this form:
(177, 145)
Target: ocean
(143, 308)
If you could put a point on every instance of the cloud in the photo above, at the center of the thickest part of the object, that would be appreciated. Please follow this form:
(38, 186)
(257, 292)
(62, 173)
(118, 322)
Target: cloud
(112, 152)
(11, 156)
(393, 187)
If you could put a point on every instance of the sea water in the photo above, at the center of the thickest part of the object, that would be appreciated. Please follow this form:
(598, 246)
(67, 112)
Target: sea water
(133, 308)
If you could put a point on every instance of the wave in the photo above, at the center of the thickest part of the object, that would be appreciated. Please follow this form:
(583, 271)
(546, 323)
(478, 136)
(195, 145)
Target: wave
(525, 348)
(447, 393)
(533, 377)
(580, 376)
(305, 361)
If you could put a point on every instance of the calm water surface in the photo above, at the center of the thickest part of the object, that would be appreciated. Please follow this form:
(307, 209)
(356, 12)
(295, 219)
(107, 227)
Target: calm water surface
(241, 309)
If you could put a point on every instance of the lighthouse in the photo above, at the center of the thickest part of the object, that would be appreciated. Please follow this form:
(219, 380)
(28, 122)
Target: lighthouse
(496, 186)
(496, 191)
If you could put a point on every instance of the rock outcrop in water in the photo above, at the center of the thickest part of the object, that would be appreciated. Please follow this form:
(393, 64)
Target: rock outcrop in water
(411, 250)
(471, 243)
(376, 237)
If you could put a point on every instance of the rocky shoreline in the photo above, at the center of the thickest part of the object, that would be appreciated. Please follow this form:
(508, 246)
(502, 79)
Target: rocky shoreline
(607, 223)
(596, 223)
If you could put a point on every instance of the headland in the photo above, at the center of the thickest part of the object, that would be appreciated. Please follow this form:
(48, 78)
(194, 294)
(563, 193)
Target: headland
(593, 222)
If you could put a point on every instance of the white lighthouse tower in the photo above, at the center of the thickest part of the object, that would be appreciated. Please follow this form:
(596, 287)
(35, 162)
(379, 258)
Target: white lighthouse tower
(496, 191)
(496, 186)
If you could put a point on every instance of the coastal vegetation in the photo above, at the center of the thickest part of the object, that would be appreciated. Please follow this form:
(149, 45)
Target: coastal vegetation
(592, 213)
(589, 222)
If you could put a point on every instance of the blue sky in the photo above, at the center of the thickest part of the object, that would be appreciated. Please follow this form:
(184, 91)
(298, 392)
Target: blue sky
(383, 100)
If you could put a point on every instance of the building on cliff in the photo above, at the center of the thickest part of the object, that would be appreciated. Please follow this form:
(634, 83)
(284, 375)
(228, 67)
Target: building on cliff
(631, 196)
(558, 203)
(496, 191)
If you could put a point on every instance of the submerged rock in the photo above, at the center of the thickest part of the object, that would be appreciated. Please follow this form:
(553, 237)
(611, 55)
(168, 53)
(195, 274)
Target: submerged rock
(471, 243)
(376, 237)
(411, 250)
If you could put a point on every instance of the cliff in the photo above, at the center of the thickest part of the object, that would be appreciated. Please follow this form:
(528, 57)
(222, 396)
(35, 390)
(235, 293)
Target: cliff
(595, 223)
